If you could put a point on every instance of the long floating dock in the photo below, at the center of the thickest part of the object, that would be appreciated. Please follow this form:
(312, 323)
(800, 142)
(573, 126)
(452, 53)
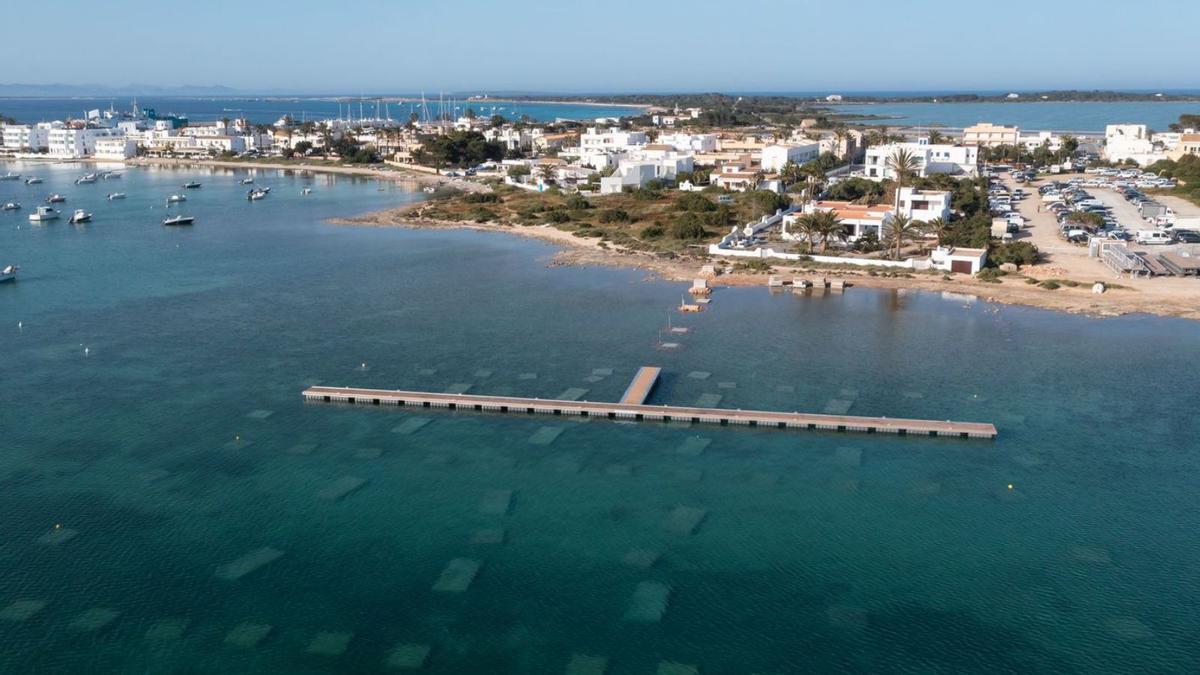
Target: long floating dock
(664, 413)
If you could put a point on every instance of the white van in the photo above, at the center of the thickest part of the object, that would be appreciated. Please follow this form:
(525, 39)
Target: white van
(1153, 237)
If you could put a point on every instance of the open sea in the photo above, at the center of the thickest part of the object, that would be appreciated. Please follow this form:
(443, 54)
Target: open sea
(266, 110)
(168, 503)
(1089, 117)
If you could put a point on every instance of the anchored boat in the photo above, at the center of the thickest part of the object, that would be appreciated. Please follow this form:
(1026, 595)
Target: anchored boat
(80, 216)
(33, 180)
(55, 199)
(12, 206)
(84, 180)
(8, 273)
(178, 220)
(11, 176)
(116, 195)
(43, 213)
(191, 185)
(176, 198)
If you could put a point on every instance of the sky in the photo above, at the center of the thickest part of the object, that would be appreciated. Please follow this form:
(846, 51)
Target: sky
(568, 46)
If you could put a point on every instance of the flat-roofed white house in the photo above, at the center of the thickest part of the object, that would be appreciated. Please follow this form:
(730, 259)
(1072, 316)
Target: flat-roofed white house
(954, 160)
(26, 137)
(735, 177)
(75, 142)
(115, 148)
(774, 157)
(1124, 142)
(925, 205)
(612, 139)
(988, 135)
(959, 260)
(689, 142)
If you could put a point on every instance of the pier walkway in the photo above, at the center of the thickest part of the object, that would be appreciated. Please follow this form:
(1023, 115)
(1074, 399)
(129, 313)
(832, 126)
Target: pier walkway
(640, 411)
(641, 386)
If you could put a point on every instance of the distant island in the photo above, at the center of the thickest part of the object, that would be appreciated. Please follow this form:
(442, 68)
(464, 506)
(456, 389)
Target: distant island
(709, 99)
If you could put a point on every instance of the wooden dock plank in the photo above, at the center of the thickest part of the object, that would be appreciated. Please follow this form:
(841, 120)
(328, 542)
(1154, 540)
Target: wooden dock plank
(641, 386)
(626, 411)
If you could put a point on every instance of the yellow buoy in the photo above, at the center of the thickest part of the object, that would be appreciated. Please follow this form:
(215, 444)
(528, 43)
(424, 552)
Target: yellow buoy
(1010, 486)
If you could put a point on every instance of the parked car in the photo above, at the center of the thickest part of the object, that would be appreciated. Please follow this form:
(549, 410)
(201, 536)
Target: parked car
(1188, 236)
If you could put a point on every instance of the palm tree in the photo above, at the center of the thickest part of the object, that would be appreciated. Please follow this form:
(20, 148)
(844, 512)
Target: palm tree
(828, 225)
(902, 229)
(791, 173)
(937, 227)
(936, 137)
(822, 224)
(840, 134)
(548, 171)
(814, 175)
(904, 164)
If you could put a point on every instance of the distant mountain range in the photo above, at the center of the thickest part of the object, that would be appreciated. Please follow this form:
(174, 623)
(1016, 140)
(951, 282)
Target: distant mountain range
(94, 90)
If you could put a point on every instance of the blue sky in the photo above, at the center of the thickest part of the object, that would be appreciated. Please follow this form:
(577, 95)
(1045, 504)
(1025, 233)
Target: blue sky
(378, 46)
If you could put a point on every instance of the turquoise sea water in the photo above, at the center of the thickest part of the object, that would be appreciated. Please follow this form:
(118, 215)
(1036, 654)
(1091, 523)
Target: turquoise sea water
(1057, 116)
(178, 444)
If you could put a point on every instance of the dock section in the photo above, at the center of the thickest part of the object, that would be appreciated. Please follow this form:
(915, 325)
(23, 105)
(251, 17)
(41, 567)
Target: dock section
(664, 413)
(641, 386)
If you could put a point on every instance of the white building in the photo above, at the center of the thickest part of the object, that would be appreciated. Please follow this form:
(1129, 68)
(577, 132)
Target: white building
(959, 260)
(858, 219)
(115, 148)
(74, 143)
(924, 205)
(689, 142)
(612, 140)
(990, 135)
(510, 138)
(631, 174)
(1052, 141)
(955, 160)
(1129, 141)
(26, 137)
(774, 157)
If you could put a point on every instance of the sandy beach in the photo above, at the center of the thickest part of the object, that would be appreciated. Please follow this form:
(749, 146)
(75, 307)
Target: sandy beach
(1177, 298)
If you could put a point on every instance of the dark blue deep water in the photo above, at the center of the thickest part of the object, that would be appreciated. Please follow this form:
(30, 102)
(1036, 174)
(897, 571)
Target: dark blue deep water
(152, 435)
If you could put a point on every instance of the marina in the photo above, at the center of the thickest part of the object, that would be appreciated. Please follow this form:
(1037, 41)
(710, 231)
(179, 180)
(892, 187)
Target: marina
(638, 390)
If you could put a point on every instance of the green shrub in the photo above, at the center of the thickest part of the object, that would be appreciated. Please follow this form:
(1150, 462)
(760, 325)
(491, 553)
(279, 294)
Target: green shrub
(694, 201)
(615, 216)
(652, 232)
(990, 275)
(578, 203)
(557, 216)
(1050, 285)
(482, 198)
(481, 215)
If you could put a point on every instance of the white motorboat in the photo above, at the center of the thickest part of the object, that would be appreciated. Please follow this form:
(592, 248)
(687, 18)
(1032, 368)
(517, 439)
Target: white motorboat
(247, 181)
(11, 176)
(84, 180)
(178, 220)
(9, 273)
(42, 214)
(306, 191)
(80, 216)
(116, 195)
(255, 195)
(191, 185)
(33, 180)
(176, 198)
(110, 175)
(12, 206)
(55, 199)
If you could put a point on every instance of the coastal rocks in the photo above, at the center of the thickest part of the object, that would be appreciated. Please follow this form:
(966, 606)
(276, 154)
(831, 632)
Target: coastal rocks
(1009, 267)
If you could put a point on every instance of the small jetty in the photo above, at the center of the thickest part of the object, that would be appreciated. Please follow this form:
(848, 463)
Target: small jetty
(627, 409)
(639, 389)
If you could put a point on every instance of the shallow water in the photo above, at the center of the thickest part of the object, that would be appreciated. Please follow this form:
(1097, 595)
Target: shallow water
(178, 451)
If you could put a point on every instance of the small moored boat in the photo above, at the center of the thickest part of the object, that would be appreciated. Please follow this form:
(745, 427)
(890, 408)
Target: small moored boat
(9, 273)
(116, 195)
(80, 216)
(11, 176)
(255, 195)
(176, 198)
(247, 181)
(12, 206)
(110, 175)
(84, 180)
(306, 191)
(33, 180)
(178, 220)
(43, 213)
(55, 199)
(191, 185)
